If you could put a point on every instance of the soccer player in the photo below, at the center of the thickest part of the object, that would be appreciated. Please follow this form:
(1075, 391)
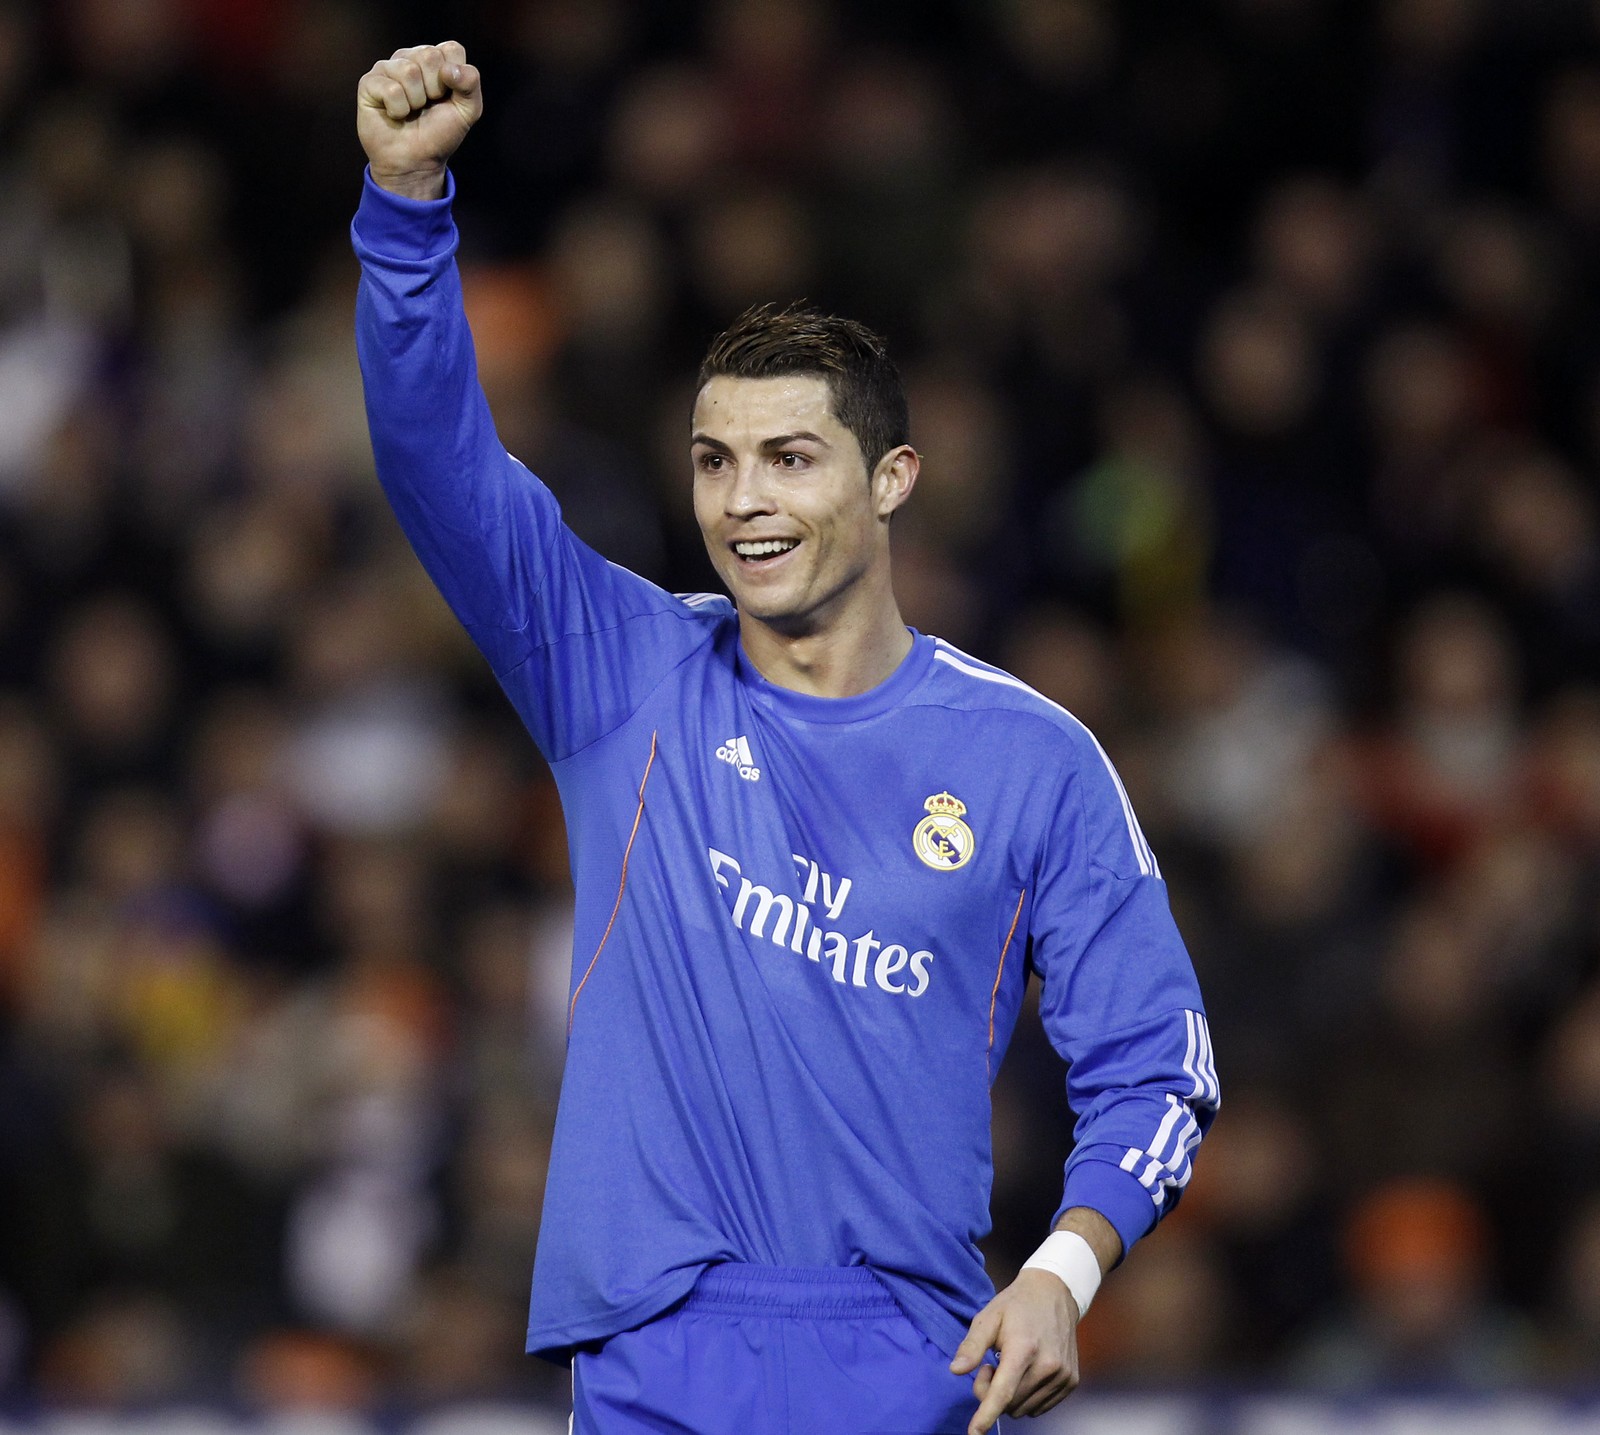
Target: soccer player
(816, 856)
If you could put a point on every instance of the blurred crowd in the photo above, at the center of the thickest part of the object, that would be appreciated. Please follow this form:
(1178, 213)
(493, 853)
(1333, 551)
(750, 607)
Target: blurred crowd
(1254, 351)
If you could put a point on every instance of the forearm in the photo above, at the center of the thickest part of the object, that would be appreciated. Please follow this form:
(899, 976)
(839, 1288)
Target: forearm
(1097, 1231)
(1144, 1114)
(482, 526)
(424, 406)
(1080, 1250)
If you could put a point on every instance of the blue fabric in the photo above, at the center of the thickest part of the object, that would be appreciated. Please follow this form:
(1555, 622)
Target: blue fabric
(803, 925)
(759, 1350)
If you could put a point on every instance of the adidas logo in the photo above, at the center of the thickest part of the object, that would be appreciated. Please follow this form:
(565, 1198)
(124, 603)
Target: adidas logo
(736, 752)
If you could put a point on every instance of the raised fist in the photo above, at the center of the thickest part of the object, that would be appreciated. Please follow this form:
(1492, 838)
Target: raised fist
(412, 111)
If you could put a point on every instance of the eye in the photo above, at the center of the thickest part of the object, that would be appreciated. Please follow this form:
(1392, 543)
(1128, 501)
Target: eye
(792, 461)
(710, 462)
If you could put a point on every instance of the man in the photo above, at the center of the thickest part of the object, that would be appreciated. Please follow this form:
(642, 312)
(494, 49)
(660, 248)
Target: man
(816, 855)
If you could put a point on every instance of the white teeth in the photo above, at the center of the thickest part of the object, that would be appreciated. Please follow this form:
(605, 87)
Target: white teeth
(766, 548)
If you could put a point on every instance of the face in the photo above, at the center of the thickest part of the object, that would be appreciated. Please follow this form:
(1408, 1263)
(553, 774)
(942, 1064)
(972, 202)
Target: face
(794, 525)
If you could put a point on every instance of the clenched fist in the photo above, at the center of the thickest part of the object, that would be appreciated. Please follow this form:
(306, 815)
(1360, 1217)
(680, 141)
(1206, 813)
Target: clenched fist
(412, 111)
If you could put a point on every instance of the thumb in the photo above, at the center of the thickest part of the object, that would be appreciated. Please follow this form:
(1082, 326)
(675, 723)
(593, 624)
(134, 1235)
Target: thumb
(980, 1337)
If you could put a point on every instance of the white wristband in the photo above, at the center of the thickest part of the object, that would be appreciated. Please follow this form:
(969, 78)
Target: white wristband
(1066, 1254)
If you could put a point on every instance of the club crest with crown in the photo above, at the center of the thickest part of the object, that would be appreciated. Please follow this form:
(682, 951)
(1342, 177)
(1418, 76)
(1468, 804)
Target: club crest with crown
(942, 840)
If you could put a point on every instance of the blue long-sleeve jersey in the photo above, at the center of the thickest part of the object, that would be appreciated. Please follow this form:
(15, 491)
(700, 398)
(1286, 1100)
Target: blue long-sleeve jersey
(804, 925)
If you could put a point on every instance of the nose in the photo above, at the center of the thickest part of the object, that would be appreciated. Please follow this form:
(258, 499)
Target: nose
(749, 495)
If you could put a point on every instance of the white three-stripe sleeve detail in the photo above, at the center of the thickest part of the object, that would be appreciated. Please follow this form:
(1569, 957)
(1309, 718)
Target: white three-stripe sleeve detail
(1198, 1062)
(1175, 1109)
(947, 654)
(1161, 1172)
(1212, 1094)
(1178, 1161)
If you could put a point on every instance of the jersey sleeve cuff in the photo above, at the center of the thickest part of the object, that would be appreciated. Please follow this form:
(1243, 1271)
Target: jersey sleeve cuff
(1112, 1192)
(390, 228)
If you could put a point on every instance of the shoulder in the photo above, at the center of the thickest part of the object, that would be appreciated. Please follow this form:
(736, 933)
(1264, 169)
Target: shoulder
(961, 680)
(1054, 739)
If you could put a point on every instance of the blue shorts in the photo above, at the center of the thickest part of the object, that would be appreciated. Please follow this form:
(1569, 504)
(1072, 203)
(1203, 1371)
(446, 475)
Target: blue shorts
(765, 1350)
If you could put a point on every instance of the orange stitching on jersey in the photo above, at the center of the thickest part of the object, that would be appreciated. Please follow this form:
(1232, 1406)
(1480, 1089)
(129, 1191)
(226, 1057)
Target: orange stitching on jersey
(994, 996)
(622, 886)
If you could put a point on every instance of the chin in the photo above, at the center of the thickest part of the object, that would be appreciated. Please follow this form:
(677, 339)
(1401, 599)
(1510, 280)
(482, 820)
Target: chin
(768, 608)
(757, 599)
(763, 607)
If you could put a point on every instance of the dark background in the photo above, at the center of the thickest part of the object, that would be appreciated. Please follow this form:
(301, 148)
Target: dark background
(1252, 348)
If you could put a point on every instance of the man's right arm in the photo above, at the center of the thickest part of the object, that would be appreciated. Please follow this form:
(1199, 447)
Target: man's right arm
(575, 641)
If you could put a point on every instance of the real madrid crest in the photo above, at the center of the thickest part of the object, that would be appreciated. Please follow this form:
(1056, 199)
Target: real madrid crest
(942, 840)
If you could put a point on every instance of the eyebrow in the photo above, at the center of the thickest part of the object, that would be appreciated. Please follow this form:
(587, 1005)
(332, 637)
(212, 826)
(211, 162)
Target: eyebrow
(782, 440)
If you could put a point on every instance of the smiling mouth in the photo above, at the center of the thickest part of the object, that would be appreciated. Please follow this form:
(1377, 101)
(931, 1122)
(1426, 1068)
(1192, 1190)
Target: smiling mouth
(764, 550)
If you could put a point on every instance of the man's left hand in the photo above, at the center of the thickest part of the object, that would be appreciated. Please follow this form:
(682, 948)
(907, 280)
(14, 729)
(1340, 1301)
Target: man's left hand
(1033, 1323)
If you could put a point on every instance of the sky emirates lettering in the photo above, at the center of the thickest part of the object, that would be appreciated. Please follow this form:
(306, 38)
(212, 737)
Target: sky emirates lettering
(790, 923)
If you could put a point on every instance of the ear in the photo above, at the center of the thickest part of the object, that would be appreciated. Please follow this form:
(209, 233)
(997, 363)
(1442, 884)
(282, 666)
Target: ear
(894, 478)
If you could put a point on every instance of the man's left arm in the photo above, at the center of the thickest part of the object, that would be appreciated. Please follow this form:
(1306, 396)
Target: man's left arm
(1120, 1002)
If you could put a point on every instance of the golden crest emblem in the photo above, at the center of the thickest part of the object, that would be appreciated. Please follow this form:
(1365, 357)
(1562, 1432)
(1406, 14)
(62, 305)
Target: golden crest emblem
(942, 840)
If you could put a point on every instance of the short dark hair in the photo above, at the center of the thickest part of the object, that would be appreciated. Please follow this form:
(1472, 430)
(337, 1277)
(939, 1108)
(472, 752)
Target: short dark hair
(769, 341)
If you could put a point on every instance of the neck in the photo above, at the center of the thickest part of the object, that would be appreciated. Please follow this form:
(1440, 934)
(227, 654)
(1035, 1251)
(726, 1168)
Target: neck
(835, 661)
